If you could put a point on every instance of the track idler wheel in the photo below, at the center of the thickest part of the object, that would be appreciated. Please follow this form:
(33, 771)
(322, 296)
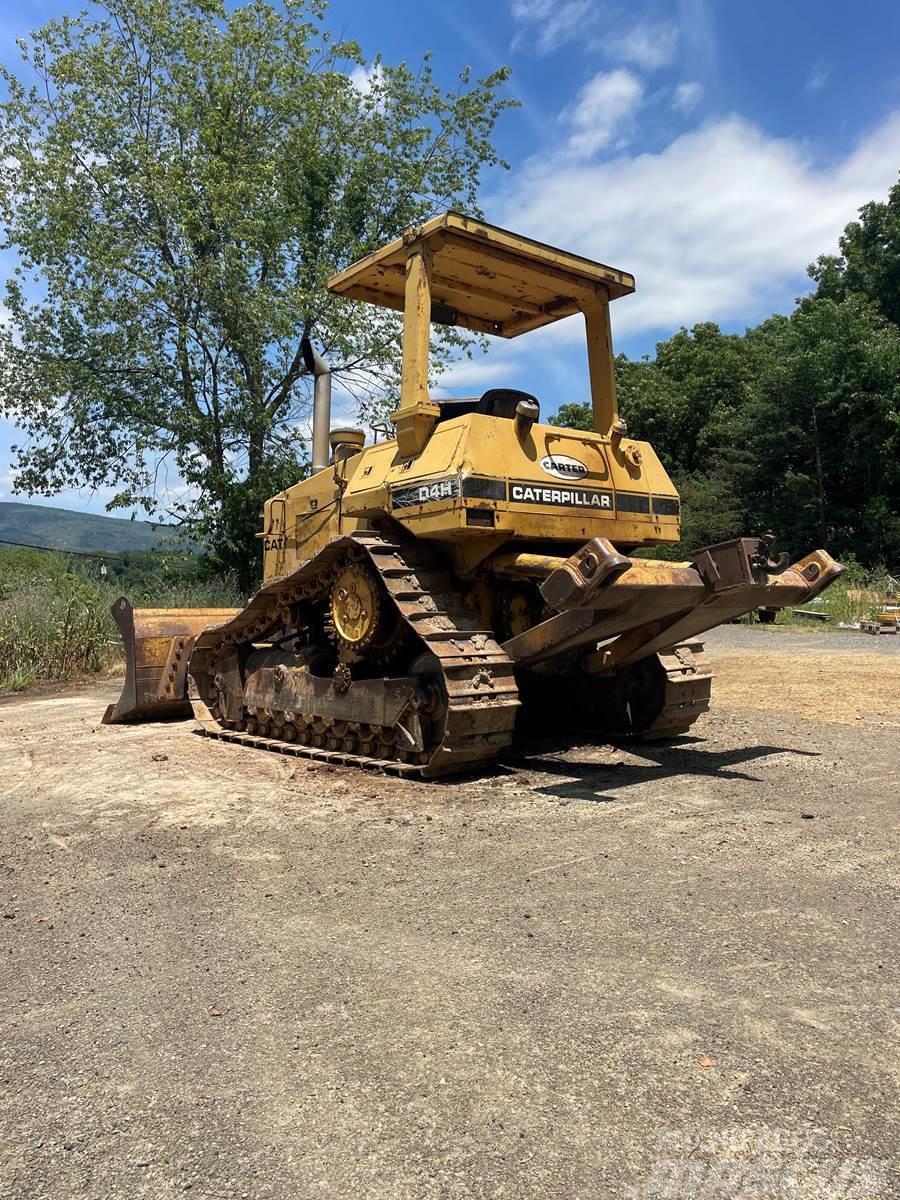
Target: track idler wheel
(638, 695)
(661, 696)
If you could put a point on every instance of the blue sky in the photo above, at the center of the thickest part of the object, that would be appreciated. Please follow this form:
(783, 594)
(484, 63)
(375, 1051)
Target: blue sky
(713, 149)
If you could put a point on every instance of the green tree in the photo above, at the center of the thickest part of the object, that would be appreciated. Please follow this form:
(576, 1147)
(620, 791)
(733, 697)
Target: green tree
(869, 262)
(691, 404)
(573, 415)
(713, 372)
(826, 428)
(178, 185)
(653, 406)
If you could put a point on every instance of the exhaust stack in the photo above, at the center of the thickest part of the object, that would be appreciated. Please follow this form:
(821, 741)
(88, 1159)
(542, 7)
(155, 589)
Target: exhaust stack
(319, 368)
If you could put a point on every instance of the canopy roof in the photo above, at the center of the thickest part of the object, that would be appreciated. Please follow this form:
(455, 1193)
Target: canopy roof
(483, 277)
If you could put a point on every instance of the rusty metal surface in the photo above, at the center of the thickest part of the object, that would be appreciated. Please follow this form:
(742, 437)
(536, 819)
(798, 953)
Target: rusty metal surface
(476, 677)
(738, 563)
(273, 683)
(687, 692)
(654, 605)
(796, 585)
(574, 584)
(514, 564)
(727, 565)
(613, 653)
(646, 592)
(335, 757)
(157, 644)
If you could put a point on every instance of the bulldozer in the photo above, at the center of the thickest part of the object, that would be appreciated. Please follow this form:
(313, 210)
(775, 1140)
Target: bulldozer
(426, 595)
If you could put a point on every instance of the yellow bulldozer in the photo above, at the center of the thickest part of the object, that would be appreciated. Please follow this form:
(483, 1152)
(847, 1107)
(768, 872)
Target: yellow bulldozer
(425, 594)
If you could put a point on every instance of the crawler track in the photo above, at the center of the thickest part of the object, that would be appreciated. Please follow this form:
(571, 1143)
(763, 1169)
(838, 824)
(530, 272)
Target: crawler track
(688, 684)
(658, 697)
(210, 728)
(479, 694)
(479, 698)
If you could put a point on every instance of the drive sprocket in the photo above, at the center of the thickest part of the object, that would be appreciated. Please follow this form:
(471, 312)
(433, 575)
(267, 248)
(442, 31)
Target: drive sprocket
(359, 617)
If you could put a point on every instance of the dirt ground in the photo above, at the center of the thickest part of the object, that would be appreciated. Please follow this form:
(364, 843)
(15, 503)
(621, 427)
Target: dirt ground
(596, 972)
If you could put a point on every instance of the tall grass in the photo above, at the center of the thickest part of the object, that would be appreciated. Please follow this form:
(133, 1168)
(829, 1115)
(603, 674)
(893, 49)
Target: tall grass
(53, 631)
(55, 621)
(858, 595)
(842, 602)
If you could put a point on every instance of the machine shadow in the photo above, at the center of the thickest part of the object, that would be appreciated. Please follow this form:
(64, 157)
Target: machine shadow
(596, 782)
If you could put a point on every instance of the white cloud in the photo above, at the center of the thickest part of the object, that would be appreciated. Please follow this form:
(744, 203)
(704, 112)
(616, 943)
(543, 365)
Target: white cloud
(553, 22)
(644, 45)
(818, 77)
(6, 483)
(549, 24)
(363, 78)
(719, 225)
(603, 111)
(687, 96)
(473, 376)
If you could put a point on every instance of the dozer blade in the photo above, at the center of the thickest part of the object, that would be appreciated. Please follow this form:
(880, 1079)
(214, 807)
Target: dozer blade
(158, 644)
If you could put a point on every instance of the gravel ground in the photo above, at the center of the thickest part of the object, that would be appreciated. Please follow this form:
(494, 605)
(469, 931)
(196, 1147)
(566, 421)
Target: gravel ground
(596, 972)
(789, 639)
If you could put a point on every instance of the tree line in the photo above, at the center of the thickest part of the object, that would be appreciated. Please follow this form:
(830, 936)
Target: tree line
(179, 179)
(794, 425)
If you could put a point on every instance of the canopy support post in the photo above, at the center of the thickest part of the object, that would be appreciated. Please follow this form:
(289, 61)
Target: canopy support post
(416, 416)
(601, 365)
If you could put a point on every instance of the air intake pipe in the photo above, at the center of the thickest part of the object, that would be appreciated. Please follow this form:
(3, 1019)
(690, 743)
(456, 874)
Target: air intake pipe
(319, 368)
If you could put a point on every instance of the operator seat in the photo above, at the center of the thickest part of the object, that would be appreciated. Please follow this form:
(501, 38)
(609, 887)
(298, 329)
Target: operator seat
(457, 406)
(495, 402)
(502, 402)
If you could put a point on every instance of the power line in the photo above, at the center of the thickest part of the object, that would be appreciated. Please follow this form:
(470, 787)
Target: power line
(61, 550)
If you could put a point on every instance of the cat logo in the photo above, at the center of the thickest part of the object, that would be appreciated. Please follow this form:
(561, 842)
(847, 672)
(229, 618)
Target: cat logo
(537, 493)
(274, 543)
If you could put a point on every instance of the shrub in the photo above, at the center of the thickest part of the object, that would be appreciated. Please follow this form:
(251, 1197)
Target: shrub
(55, 621)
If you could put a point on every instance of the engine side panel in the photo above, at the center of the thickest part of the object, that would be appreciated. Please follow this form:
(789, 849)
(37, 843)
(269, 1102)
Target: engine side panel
(479, 482)
(478, 478)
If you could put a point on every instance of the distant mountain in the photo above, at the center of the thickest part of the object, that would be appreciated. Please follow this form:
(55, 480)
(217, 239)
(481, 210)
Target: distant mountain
(40, 525)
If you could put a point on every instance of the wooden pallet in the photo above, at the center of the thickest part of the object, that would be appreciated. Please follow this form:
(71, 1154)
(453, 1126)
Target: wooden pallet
(877, 627)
